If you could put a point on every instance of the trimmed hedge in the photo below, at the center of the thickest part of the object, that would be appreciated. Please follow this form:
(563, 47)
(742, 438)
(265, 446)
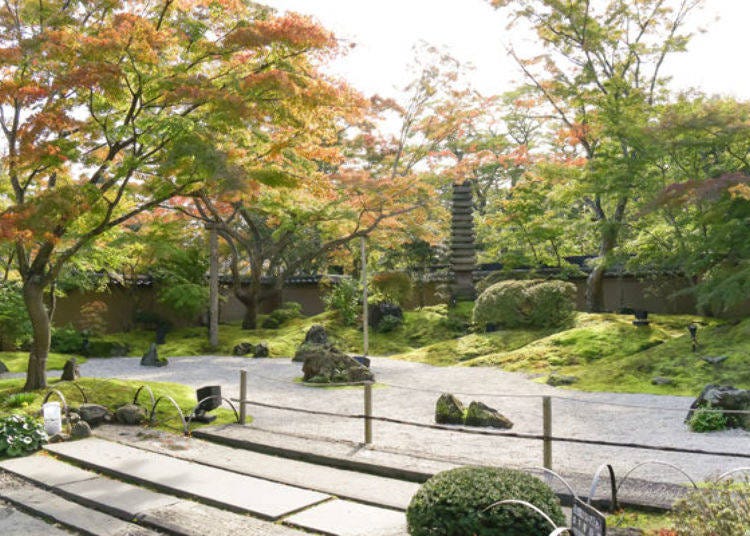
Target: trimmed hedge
(526, 303)
(452, 503)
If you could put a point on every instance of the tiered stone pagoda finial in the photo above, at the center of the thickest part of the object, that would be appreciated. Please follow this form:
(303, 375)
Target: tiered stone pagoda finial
(463, 254)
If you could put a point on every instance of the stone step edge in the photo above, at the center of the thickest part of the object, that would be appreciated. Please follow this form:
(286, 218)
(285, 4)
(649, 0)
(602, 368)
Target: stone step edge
(333, 496)
(393, 471)
(162, 488)
(52, 491)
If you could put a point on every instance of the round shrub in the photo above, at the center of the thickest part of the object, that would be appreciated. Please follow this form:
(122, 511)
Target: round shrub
(707, 421)
(529, 303)
(452, 503)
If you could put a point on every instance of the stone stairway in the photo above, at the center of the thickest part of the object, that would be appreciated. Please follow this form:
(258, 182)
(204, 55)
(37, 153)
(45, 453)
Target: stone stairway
(158, 484)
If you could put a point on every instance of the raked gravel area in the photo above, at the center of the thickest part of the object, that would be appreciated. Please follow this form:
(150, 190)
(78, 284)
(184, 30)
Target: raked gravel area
(408, 391)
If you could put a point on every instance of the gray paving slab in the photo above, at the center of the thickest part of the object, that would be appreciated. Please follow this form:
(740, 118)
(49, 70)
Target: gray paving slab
(115, 497)
(214, 486)
(46, 470)
(14, 522)
(347, 484)
(67, 513)
(346, 518)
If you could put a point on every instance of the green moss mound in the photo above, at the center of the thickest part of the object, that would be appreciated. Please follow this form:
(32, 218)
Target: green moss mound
(453, 503)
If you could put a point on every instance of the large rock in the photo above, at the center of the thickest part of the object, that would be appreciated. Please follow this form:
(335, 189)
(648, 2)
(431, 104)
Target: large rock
(315, 337)
(480, 414)
(94, 414)
(151, 358)
(449, 410)
(130, 414)
(725, 397)
(243, 348)
(556, 380)
(3, 368)
(70, 371)
(80, 430)
(323, 363)
(261, 350)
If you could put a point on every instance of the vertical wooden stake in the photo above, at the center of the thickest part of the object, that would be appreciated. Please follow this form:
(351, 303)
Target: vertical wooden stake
(365, 324)
(547, 430)
(243, 395)
(213, 286)
(368, 413)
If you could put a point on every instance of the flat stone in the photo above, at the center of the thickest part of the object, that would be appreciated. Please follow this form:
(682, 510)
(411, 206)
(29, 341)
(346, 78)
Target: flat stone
(14, 521)
(117, 498)
(66, 512)
(211, 485)
(46, 470)
(345, 518)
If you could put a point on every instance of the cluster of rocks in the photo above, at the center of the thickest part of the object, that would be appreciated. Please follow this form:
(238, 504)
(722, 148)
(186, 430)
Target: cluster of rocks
(257, 350)
(450, 410)
(322, 362)
(727, 398)
(87, 416)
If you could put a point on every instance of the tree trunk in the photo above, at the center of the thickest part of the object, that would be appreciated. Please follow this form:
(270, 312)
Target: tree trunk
(249, 298)
(33, 296)
(595, 280)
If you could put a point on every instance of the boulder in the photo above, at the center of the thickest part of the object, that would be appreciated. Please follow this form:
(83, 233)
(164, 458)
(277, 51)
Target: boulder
(130, 414)
(557, 380)
(3, 368)
(151, 358)
(725, 397)
(243, 348)
(480, 414)
(316, 334)
(378, 311)
(324, 361)
(80, 430)
(94, 414)
(70, 371)
(261, 350)
(449, 410)
(660, 380)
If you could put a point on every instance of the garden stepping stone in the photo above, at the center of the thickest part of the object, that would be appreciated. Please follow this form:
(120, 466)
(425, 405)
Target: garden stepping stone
(346, 518)
(218, 487)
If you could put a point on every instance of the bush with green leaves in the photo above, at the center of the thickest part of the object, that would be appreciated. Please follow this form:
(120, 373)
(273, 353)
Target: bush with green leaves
(717, 509)
(66, 340)
(286, 311)
(455, 503)
(393, 287)
(18, 400)
(342, 297)
(20, 435)
(706, 420)
(389, 323)
(525, 303)
(15, 326)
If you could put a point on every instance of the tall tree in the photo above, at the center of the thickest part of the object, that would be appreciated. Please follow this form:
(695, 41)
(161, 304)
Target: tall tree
(109, 108)
(600, 75)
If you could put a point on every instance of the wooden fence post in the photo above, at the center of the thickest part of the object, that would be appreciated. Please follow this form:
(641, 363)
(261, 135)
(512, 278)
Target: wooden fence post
(547, 430)
(243, 395)
(368, 413)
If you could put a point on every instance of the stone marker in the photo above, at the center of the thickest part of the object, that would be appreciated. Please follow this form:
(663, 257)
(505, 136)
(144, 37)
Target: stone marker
(70, 371)
(151, 358)
(480, 414)
(449, 410)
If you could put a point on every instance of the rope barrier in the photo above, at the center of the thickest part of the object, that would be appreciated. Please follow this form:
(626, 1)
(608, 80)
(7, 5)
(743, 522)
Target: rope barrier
(515, 435)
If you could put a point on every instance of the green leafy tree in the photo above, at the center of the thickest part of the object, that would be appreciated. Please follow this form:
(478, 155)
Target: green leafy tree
(109, 108)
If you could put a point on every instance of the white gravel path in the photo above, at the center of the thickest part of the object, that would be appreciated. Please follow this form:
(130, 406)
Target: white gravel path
(411, 390)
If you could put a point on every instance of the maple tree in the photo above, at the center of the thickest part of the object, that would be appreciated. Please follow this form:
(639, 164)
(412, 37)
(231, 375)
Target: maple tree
(110, 108)
(599, 75)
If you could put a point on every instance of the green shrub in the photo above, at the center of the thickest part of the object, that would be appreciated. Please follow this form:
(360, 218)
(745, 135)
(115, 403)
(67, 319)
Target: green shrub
(532, 303)
(388, 323)
(20, 399)
(66, 340)
(393, 287)
(718, 509)
(342, 297)
(707, 421)
(287, 311)
(20, 435)
(452, 503)
(15, 326)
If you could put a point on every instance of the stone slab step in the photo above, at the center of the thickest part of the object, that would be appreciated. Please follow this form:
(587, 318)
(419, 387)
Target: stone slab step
(216, 487)
(346, 518)
(14, 522)
(127, 501)
(346, 484)
(67, 513)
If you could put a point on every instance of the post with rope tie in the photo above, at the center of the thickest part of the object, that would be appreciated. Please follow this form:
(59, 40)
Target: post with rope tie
(243, 395)
(547, 430)
(368, 413)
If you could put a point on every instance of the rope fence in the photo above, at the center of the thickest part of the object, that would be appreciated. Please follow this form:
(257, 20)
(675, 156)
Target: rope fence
(546, 437)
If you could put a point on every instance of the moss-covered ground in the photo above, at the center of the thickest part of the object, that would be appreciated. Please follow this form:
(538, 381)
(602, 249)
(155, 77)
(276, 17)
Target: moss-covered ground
(112, 394)
(606, 352)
